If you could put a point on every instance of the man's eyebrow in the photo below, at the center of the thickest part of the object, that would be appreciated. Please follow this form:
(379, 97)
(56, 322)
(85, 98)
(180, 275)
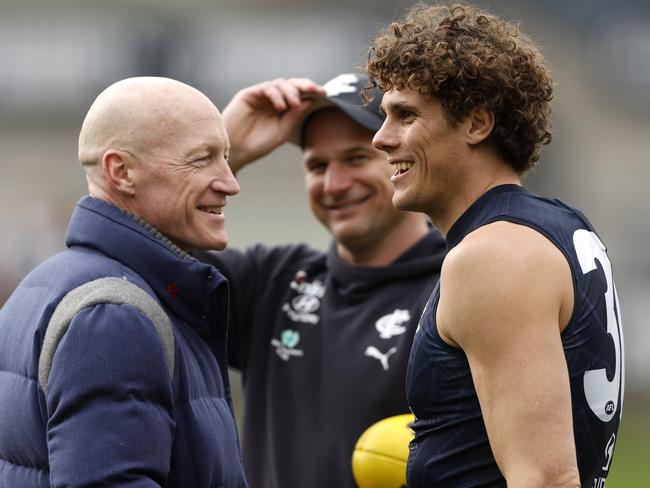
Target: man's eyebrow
(191, 155)
(202, 150)
(310, 158)
(400, 105)
(354, 149)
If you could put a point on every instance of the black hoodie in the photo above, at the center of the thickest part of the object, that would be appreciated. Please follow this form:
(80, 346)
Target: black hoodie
(323, 347)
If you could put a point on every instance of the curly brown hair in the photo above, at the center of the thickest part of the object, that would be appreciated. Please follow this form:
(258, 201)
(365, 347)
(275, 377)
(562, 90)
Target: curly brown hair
(465, 58)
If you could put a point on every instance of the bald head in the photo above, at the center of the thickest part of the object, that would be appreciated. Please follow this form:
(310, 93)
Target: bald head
(134, 114)
(158, 148)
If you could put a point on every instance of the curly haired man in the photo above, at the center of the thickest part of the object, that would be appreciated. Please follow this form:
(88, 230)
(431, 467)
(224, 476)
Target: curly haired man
(516, 372)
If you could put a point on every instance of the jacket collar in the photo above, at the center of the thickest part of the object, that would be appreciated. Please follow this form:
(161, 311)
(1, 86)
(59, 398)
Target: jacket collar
(185, 286)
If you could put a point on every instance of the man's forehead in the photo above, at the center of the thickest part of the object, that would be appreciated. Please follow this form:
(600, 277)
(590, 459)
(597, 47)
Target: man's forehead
(184, 141)
(397, 98)
(339, 149)
(344, 147)
(333, 119)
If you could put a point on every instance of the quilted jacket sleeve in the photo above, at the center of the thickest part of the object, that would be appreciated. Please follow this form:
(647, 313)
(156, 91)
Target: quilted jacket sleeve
(110, 402)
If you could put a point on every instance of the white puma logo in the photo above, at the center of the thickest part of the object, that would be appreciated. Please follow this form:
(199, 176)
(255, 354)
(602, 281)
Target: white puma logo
(373, 352)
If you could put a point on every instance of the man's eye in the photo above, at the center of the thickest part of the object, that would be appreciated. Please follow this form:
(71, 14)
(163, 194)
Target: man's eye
(357, 158)
(201, 162)
(406, 114)
(317, 168)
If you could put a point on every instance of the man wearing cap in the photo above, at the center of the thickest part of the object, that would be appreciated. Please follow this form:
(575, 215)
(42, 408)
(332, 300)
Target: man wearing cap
(322, 339)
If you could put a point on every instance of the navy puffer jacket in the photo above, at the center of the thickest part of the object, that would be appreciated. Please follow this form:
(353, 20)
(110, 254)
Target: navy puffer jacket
(112, 415)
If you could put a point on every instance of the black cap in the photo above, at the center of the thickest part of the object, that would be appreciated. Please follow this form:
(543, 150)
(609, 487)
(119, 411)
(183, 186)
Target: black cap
(344, 93)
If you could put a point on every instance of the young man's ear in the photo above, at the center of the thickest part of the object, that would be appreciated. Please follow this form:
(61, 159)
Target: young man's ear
(481, 124)
(118, 171)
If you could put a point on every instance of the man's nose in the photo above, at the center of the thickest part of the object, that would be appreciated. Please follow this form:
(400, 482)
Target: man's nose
(225, 180)
(337, 179)
(385, 139)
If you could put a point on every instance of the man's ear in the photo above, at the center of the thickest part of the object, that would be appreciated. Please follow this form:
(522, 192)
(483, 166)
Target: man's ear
(481, 124)
(118, 171)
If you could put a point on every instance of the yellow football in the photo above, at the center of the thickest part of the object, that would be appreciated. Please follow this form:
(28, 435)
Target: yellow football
(379, 458)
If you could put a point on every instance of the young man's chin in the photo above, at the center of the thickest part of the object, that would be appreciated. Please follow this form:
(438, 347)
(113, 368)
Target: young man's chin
(401, 202)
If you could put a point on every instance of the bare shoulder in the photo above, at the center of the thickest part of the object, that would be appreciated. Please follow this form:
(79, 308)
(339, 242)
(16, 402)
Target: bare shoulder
(502, 273)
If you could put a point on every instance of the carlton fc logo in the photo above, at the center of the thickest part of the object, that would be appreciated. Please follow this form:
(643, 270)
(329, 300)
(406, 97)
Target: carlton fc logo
(302, 307)
(392, 324)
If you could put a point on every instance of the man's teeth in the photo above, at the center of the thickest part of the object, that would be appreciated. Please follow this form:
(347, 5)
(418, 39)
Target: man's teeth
(212, 210)
(402, 166)
(341, 206)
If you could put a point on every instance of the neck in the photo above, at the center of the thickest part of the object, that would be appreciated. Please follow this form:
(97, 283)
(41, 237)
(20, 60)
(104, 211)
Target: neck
(445, 218)
(390, 247)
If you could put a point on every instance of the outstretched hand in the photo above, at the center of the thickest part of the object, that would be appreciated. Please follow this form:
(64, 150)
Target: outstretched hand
(260, 118)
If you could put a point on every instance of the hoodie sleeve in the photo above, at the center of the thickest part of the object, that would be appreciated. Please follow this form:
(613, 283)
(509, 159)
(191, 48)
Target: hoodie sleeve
(110, 402)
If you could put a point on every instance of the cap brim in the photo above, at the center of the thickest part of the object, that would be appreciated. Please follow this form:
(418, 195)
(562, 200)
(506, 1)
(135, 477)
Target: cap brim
(357, 113)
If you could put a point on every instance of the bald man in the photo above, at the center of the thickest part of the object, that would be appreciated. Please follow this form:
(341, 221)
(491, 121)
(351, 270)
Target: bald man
(112, 358)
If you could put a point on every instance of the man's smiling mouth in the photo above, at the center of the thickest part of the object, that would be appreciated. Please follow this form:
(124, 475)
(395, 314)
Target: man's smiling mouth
(401, 167)
(345, 205)
(212, 210)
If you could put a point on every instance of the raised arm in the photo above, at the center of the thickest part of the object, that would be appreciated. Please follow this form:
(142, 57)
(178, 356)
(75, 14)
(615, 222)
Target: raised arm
(260, 118)
(506, 295)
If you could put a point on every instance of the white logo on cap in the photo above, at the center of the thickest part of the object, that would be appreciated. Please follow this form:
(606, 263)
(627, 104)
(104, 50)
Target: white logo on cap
(341, 84)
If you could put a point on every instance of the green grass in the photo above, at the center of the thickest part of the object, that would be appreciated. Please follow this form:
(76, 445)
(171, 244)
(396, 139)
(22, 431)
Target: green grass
(631, 464)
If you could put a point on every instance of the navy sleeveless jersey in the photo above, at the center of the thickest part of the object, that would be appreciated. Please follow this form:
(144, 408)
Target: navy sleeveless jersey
(451, 448)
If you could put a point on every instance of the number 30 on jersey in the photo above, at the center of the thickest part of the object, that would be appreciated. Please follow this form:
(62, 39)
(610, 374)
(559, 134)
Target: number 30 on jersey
(601, 393)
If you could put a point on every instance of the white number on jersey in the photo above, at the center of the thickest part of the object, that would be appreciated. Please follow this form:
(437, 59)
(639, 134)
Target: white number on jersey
(602, 395)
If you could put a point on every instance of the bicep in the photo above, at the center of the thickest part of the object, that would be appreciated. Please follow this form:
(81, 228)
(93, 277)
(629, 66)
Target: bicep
(503, 306)
(110, 402)
(522, 385)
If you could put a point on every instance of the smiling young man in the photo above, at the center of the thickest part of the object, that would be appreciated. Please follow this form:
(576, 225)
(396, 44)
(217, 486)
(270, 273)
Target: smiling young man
(135, 391)
(516, 371)
(323, 339)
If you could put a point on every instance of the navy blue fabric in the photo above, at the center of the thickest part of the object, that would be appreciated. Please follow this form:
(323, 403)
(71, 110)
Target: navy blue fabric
(305, 410)
(112, 415)
(451, 447)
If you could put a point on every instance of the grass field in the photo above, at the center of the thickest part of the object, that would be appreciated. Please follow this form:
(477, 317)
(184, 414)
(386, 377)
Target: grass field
(631, 465)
